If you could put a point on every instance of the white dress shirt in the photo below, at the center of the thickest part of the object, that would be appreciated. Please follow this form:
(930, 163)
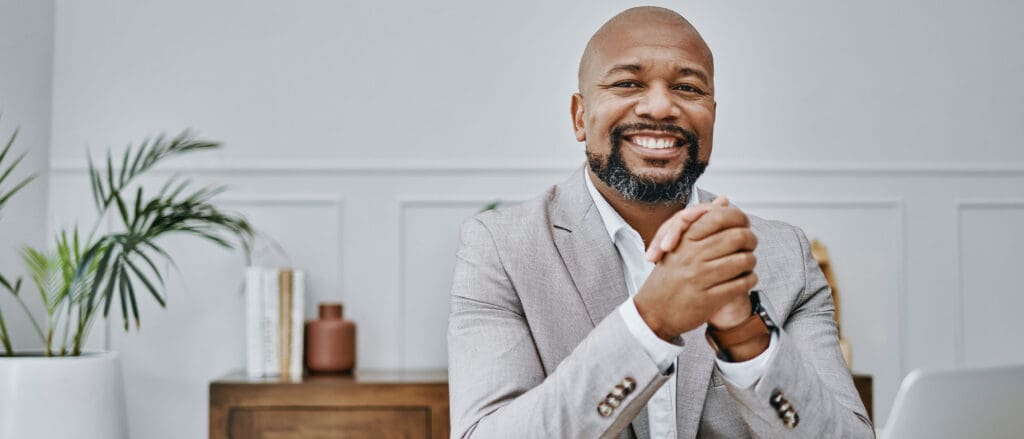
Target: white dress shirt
(661, 408)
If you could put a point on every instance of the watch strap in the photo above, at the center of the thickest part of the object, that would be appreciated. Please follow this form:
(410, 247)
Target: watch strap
(757, 325)
(750, 328)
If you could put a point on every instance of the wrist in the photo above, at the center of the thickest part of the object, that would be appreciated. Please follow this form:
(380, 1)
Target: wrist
(731, 314)
(652, 321)
(742, 341)
(749, 350)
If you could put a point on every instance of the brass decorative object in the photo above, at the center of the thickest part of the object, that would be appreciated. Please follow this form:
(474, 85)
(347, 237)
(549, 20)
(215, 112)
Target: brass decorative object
(820, 253)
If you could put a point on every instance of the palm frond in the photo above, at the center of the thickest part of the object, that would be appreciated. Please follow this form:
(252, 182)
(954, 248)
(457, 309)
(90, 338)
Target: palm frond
(7, 285)
(5, 339)
(125, 259)
(6, 195)
(139, 160)
(145, 281)
(48, 275)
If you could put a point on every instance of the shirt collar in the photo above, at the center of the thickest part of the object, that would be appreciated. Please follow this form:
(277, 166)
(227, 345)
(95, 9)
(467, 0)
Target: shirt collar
(613, 222)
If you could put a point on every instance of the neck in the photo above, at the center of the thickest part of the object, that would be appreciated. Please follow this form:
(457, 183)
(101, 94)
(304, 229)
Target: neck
(643, 217)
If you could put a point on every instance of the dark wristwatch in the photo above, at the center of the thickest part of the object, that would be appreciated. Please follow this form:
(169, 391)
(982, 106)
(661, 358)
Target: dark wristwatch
(757, 325)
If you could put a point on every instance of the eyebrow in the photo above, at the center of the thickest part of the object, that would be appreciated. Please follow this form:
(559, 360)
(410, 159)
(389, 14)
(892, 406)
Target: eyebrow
(631, 68)
(634, 68)
(686, 71)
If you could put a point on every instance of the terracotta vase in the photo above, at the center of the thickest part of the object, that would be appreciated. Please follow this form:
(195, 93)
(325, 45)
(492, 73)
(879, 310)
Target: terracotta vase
(330, 341)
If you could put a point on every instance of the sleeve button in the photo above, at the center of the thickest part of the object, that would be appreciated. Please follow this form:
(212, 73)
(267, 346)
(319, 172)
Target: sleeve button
(610, 400)
(791, 419)
(629, 385)
(604, 409)
(618, 392)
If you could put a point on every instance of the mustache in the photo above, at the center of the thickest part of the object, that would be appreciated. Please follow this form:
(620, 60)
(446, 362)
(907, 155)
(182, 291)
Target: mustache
(620, 130)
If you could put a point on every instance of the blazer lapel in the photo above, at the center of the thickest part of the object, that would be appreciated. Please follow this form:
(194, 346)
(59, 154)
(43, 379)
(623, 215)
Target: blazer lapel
(587, 251)
(693, 375)
(596, 270)
(692, 378)
(591, 258)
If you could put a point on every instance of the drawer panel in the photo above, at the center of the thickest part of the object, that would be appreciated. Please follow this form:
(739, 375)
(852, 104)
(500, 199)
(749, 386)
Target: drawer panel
(329, 423)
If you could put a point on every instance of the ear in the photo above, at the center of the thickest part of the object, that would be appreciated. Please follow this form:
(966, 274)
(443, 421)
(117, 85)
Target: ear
(578, 117)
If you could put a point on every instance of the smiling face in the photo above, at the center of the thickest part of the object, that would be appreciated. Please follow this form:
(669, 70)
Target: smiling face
(646, 106)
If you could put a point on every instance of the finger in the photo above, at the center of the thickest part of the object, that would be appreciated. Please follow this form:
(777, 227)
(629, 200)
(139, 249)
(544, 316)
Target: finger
(681, 219)
(670, 241)
(668, 234)
(671, 231)
(680, 224)
(728, 267)
(715, 220)
(733, 288)
(723, 243)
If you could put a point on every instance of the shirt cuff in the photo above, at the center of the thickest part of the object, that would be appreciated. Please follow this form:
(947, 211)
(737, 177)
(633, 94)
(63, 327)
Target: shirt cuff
(662, 352)
(745, 374)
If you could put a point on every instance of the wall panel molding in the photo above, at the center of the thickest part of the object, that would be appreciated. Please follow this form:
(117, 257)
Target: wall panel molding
(961, 206)
(897, 205)
(336, 166)
(266, 199)
(403, 204)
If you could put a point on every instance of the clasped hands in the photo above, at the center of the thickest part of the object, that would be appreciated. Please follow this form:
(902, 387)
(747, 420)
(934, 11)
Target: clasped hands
(704, 273)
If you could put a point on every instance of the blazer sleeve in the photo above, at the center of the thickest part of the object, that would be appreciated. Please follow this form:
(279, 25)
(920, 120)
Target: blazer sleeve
(498, 386)
(807, 370)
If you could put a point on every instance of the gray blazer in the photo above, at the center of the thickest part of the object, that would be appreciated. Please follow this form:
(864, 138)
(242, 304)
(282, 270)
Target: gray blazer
(534, 345)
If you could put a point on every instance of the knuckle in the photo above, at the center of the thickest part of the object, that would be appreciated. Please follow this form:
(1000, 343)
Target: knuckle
(713, 216)
(686, 274)
(739, 236)
(738, 215)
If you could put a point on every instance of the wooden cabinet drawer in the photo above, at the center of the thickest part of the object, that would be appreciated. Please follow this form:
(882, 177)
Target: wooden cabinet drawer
(329, 423)
(369, 404)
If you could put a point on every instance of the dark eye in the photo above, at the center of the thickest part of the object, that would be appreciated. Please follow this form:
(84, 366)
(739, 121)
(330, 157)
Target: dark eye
(626, 84)
(688, 88)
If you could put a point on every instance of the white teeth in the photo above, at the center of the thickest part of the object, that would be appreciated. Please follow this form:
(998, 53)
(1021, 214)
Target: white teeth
(654, 142)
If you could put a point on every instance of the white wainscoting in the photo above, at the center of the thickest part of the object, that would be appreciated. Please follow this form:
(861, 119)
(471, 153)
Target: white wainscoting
(990, 295)
(869, 269)
(921, 254)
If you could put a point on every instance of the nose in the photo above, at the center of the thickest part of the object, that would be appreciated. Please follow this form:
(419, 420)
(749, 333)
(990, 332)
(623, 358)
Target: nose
(657, 103)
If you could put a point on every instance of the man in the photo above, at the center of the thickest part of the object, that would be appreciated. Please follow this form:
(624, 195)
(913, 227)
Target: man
(562, 325)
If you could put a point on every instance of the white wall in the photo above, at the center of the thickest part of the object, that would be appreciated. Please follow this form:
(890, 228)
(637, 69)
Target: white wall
(360, 133)
(26, 67)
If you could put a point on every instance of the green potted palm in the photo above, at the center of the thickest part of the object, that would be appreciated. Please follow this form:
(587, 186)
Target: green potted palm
(87, 273)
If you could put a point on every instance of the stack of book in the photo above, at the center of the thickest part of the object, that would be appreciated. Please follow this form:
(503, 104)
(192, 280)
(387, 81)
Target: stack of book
(274, 319)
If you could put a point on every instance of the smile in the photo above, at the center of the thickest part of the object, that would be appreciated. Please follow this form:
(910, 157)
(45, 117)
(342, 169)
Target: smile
(655, 141)
(655, 145)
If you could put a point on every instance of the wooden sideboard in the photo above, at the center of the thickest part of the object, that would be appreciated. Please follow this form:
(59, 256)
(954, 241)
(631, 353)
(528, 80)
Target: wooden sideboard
(865, 388)
(369, 404)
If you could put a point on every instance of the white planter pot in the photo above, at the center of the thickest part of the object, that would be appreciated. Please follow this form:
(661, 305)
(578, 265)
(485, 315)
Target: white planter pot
(70, 397)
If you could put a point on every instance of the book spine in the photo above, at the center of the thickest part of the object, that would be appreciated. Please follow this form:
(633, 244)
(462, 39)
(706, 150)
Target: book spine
(298, 323)
(253, 321)
(285, 291)
(271, 324)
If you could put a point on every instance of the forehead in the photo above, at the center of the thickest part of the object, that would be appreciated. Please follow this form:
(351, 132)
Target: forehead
(652, 46)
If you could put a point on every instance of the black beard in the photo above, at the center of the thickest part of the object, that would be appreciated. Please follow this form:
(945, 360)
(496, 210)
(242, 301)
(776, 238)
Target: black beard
(613, 171)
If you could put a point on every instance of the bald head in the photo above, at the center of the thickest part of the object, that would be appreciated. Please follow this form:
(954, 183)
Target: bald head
(641, 25)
